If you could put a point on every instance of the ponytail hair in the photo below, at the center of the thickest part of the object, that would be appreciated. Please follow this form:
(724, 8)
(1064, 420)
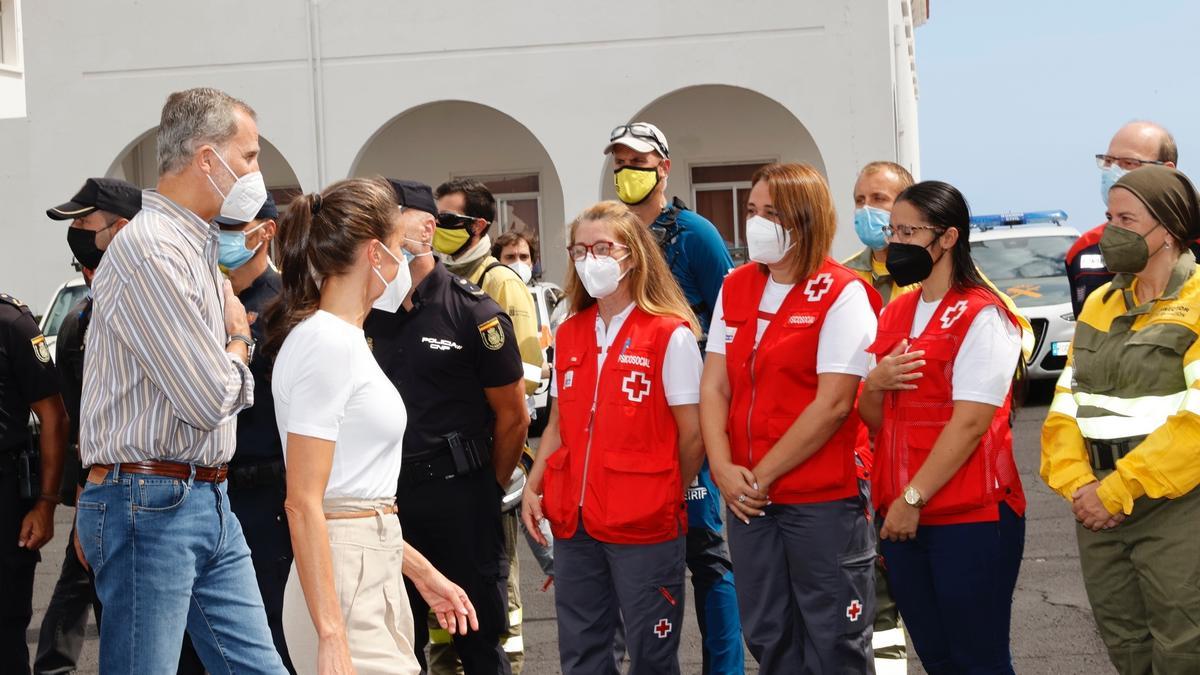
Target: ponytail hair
(319, 236)
(944, 207)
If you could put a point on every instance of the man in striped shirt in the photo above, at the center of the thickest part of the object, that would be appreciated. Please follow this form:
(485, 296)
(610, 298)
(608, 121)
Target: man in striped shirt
(165, 377)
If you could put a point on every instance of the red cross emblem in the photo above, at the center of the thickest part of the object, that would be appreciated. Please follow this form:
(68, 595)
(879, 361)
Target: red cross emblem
(953, 313)
(818, 286)
(663, 629)
(854, 610)
(636, 386)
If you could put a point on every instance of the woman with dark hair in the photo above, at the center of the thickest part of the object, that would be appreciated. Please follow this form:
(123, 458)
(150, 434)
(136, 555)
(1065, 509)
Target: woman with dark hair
(344, 251)
(938, 402)
(786, 354)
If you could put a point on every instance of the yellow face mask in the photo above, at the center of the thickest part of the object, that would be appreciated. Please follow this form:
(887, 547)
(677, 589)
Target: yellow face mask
(635, 184)
(450, 240)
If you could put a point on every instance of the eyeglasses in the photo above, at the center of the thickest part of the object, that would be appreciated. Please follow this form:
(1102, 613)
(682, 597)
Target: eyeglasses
(1127, 163)
(453, 221)
(907, 231)
(639, 130)
(600, 249)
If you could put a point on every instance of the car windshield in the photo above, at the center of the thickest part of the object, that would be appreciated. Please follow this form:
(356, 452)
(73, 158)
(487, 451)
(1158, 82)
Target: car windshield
(63, 302)
(1031, 270)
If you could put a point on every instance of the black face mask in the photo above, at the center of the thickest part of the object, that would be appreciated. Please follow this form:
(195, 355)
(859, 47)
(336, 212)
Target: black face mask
(909, 264)
(83, 246)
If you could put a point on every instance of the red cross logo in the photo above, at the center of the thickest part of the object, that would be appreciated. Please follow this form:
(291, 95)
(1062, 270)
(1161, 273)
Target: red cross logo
(636, 386)
(854, 610)
(953, 313)
(818, 286)
(663, 629)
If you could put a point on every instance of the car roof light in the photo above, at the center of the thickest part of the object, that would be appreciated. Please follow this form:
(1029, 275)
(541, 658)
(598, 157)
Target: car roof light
(987, 222)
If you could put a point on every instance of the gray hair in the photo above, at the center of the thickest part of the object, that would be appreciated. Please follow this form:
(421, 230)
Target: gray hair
(193, 118)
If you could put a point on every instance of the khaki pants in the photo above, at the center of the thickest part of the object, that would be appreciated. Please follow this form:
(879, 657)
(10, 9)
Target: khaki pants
(442, 658)
(1143, 580)
(367, 556)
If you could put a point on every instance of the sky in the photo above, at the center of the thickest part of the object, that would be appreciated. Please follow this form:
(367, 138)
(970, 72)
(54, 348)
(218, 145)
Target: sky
(1017, 97)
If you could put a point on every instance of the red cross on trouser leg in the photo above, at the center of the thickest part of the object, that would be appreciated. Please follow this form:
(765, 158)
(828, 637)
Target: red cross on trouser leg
(854, 610)
(663, 629)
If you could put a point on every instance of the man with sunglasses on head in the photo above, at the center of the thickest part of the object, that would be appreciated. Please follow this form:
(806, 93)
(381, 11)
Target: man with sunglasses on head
(699, 260)
(1135, 145)
(466, 210)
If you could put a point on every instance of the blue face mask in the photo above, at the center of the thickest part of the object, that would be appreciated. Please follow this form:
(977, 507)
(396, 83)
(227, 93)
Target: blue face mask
(233, 252)
(868, 225)
(1108, 178)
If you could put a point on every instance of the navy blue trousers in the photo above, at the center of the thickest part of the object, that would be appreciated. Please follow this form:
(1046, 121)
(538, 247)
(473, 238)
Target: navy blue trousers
(954, 585)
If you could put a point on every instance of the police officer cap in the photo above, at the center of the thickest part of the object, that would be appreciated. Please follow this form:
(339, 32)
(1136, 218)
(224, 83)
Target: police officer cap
(1169, 196)
(104, 194)
(412, 194)
(268, 210)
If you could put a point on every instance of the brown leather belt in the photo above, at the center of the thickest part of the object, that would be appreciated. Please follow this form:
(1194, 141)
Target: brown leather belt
(344, 515)
(204, 474)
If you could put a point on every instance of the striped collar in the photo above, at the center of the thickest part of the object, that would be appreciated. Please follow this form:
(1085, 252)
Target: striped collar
(191, 226)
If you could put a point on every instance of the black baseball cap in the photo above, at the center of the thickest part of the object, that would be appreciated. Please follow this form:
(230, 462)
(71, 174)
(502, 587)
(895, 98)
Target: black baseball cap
(104, 194)
(412, 194)
(268, 210)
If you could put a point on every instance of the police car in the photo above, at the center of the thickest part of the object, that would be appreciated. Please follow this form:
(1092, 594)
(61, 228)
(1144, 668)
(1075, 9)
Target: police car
(1024, 255)
(66, 296)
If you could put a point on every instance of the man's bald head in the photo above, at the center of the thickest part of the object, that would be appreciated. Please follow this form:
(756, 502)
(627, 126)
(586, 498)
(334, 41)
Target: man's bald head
(1146, 141)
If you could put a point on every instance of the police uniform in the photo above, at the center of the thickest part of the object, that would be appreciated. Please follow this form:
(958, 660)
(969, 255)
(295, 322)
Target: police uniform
(27, 375)
(256, 476)
(441, 355)
(61, 637)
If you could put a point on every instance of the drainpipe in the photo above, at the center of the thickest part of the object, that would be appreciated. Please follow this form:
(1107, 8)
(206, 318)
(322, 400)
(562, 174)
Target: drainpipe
(316, 84)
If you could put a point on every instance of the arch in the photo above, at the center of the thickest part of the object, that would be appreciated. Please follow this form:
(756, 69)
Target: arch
(716, 134)
(138, 163)
(437, 141)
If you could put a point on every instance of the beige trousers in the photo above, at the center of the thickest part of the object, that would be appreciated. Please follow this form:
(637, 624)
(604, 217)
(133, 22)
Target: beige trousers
(367, 557)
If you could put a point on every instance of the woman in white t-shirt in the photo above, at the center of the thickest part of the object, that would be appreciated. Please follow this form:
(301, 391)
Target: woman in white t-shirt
(786, 353)
(342, 422)
(939, 402)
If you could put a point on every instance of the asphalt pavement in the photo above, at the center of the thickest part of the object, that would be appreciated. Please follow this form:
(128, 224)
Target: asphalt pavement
(1052, 629)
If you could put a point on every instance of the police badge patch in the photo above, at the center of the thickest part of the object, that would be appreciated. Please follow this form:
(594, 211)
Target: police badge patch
(492, 334)
(40, 350)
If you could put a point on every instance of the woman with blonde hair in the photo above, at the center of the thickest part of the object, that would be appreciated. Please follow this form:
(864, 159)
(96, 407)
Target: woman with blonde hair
(345, 610)
(786, 353)
(622, 442)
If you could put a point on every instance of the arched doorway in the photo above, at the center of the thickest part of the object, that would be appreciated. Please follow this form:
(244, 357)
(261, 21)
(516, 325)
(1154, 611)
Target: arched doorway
(438, 141)
(718, 136)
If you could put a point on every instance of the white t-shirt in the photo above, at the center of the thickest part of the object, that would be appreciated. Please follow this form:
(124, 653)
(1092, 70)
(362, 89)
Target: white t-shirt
(848, 330)
(327, 385)
(681, 365)
(984, 365)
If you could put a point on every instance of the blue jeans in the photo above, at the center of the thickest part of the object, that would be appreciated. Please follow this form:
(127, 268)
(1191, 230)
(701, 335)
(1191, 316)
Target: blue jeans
(168, 555)
(954, 586)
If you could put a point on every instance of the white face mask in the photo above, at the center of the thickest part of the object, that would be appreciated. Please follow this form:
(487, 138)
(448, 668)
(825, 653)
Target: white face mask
(245, 198)
(766, 242)
(600, 276)
(396, 290)
(523, 270)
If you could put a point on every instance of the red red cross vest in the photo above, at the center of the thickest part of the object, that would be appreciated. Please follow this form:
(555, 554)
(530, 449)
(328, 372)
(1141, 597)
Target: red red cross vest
(913, 420)
(620, 444)
(773, 383)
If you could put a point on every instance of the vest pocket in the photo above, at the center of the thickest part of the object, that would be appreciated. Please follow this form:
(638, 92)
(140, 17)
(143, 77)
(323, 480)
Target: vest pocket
(557, 505)
(640, 491)
(966, 490)
(823, 470)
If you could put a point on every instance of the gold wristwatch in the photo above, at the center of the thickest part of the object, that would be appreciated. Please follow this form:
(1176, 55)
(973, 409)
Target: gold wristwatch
(912, 497)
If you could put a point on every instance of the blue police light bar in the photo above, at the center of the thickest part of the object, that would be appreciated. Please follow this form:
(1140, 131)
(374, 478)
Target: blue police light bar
(990, 221)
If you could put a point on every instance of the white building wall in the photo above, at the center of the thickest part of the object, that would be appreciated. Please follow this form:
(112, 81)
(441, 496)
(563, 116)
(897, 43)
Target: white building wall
(326, 77)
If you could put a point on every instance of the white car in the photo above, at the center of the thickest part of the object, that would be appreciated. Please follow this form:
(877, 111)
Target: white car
(66, 296)
(551, 310)
(1027, 260)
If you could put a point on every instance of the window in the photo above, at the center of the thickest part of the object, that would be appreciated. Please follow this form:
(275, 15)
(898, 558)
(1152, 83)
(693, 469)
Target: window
(719, 193)
(518, 204)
